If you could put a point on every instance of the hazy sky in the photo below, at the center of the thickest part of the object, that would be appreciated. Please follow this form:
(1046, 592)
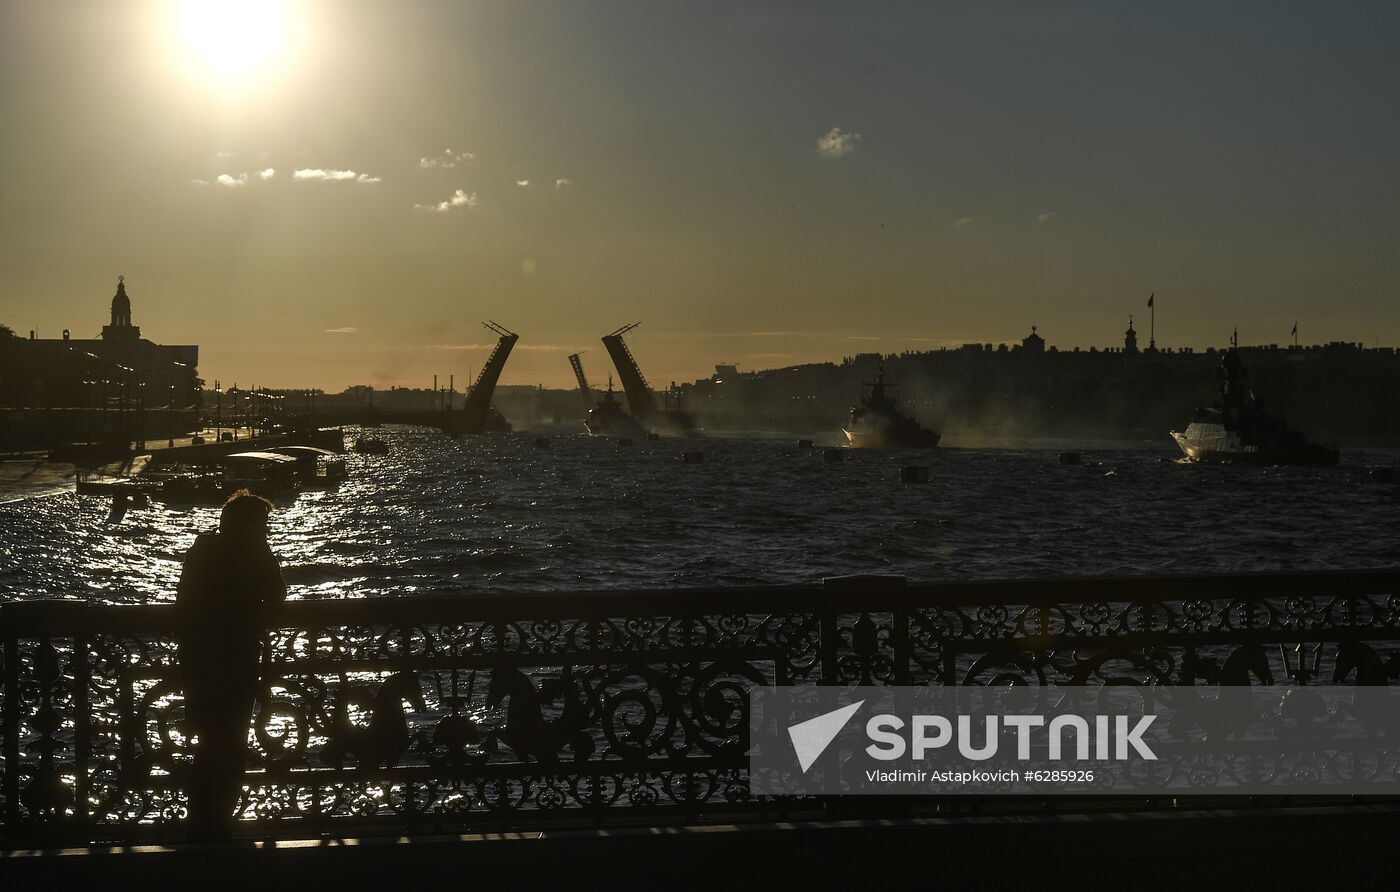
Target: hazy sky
(321, 194)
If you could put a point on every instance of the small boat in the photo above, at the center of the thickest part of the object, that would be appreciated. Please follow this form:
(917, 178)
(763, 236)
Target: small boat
(877, 422)
(263, 473)
(315, 466)
(370, 446)
(194, 489)
(1237, 430)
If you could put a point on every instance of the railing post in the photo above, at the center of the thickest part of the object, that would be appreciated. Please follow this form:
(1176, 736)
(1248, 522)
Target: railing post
(11, 724)
(82, 730)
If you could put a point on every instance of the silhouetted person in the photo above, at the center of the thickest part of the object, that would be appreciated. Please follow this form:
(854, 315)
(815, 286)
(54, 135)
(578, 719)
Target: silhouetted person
(227, 577)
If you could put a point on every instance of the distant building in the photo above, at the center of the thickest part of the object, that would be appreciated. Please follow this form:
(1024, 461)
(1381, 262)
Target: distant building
(1033, 343)
(71, 372)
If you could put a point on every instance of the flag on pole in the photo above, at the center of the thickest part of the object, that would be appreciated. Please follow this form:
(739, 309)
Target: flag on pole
(1150, 298)
(1295, 328)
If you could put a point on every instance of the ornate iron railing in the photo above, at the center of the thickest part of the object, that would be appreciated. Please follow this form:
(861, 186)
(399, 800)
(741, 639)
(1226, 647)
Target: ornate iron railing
(533, 710)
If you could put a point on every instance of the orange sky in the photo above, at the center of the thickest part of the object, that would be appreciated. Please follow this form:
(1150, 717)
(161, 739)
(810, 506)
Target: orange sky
(345, 200)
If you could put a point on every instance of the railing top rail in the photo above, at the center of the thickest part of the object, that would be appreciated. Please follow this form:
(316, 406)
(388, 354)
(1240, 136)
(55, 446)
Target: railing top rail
(849, 594)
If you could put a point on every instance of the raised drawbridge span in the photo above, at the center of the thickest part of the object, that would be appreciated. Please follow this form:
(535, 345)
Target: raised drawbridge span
(477, 414)
(634, 384)
(583, 390)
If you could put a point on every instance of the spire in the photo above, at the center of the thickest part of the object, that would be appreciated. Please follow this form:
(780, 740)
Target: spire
(121, 305)
(121, 327)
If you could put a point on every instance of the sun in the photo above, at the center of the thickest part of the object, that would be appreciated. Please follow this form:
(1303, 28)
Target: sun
(233, 37)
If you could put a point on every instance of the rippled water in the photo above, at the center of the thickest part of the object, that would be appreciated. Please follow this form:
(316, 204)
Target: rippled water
(448, 516)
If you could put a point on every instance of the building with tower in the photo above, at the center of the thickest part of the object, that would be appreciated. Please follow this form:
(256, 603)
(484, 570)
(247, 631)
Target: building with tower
(118, 371)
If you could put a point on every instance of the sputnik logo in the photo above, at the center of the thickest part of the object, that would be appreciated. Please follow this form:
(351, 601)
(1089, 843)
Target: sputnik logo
(811, 738)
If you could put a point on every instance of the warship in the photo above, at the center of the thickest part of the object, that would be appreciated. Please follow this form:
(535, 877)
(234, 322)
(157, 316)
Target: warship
(606, 418)
(1237, 429)
(609, 419)
(877, 422)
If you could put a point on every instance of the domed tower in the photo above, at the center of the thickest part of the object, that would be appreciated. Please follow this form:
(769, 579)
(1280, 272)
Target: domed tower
(1130, 338)
(1032, 343)
(121, 327)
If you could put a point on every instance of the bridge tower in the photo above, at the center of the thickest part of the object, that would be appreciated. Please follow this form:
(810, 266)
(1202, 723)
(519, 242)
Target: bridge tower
(477, 414)
(634, 384)
(582, 383)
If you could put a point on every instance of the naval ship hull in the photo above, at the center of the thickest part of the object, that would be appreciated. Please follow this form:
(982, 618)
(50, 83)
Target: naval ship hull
(881, 439)
(608, 420)
(614, 427)
(1213, 443)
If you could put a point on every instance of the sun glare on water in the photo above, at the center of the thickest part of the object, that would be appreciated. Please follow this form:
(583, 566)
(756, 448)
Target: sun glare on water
(233, 37)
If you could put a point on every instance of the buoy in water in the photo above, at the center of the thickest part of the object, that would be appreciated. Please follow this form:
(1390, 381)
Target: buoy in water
(1069, 458)
(804, 444)
(833, 454)
(913, 474)
(692, 458)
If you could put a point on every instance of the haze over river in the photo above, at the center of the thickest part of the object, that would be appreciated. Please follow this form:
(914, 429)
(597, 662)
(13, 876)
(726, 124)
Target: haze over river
(441, 516)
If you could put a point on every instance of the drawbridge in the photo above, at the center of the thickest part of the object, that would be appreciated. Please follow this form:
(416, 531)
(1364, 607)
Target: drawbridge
(582, 383)
(634, 384)
(477, 414)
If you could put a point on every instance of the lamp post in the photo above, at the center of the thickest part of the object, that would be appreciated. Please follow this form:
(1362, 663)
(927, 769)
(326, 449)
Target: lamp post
(170, 418)
(218, 411)
(140, 414)
(124, 404)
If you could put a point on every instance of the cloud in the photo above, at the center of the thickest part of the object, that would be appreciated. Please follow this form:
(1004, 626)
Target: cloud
(232, 182)
(200, 182)
(332, 175)
(346, 330)
(223, 156)
(562, 182)
(837, 143)
(458, 199)
(267, 174)
(1045, 216)
(961, 222)
(538, 348)
(448, 158)
(522, 183)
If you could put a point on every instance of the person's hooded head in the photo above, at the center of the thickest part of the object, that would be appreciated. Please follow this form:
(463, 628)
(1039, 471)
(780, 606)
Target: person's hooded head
(245, 516)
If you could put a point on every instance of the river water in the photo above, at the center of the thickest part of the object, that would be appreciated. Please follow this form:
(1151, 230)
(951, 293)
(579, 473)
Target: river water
(442, 516)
